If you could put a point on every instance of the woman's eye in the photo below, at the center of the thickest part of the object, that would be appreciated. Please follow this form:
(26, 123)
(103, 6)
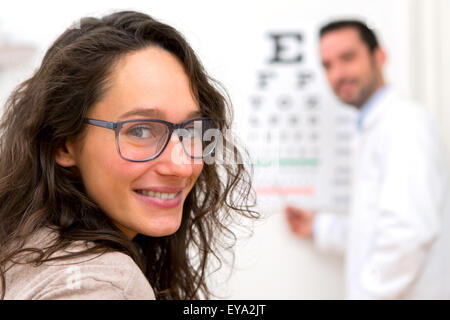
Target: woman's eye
(143, 132)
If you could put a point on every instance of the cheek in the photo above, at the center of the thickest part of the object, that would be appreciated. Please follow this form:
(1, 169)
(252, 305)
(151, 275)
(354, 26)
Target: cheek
(359, 69)
(334, 75)
(196, 171)
(106, 176)
(331, 79)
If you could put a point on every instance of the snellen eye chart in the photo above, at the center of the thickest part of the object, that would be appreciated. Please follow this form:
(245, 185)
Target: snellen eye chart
(297, 133)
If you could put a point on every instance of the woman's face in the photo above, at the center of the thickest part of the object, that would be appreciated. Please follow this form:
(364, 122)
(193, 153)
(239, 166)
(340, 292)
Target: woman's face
(139, 197)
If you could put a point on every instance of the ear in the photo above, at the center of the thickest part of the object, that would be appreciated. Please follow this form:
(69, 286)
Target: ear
(380, 57)
(65, 155)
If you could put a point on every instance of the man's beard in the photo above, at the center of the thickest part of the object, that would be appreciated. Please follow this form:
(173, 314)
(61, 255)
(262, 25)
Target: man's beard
(363, 93)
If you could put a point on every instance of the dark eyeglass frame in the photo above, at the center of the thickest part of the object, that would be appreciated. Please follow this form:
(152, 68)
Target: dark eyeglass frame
(117, 127)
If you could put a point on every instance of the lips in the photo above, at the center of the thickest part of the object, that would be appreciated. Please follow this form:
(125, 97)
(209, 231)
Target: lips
(345, 85)
(161, 197)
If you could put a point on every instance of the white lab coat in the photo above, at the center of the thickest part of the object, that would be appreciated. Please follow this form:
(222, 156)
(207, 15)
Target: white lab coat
(396, 235)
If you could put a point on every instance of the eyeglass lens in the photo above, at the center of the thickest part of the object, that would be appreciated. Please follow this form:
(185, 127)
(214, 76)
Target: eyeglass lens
(143, 140)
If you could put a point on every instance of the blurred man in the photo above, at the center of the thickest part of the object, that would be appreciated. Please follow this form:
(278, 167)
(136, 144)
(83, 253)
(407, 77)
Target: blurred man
(395, 237)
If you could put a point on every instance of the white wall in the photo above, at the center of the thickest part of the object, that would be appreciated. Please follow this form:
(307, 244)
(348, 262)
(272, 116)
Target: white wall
(272, 264)
(430, 63)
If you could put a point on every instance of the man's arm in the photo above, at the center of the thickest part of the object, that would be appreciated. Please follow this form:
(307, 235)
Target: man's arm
(328, 230)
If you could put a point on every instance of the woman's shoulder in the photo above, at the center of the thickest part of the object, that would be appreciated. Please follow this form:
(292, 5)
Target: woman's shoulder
(108, 275)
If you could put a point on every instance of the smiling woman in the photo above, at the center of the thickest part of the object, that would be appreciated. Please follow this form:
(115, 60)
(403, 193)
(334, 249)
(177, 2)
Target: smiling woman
(92, 213)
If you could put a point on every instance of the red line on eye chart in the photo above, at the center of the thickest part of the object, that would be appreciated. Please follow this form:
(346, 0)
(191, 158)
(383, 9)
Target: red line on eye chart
(284, 190)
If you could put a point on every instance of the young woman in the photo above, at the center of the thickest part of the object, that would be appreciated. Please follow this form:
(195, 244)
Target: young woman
(105, 191)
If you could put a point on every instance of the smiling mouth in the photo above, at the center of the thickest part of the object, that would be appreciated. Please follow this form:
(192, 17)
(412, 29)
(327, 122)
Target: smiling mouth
(160, 195)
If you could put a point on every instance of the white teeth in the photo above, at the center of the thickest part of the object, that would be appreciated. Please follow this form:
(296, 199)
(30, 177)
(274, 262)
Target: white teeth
(161, 195)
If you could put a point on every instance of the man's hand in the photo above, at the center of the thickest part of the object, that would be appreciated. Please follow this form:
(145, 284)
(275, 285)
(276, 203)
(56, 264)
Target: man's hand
(300, 221)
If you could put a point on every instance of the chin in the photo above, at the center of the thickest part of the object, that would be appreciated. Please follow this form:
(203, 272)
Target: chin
(163, 233)
(349, 100)
(165, 228)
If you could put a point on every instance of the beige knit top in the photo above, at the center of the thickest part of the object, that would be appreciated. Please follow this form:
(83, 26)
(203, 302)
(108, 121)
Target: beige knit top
(112, 275)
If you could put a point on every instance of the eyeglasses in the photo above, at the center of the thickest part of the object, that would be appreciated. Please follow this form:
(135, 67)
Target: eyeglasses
(140, 140)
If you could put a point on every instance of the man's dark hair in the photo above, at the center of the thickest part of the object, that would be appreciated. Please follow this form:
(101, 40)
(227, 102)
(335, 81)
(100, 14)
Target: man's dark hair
(366, 34)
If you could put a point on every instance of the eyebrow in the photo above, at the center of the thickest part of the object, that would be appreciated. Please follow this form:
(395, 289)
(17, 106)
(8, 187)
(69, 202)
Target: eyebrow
(150, 113)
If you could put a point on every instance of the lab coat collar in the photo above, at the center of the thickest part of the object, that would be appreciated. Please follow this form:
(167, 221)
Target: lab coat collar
(377, 108)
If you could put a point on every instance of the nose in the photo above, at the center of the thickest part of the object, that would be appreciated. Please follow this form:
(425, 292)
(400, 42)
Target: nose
(173, 160)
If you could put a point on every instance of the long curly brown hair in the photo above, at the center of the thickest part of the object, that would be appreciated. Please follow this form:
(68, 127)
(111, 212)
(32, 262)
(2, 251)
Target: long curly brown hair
(35, 192)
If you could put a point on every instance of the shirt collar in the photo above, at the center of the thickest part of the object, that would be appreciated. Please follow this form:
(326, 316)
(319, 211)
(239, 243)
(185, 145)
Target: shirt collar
(369, 105)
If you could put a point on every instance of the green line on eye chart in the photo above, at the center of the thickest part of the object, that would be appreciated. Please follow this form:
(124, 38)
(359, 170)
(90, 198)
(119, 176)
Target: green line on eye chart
(287, 162)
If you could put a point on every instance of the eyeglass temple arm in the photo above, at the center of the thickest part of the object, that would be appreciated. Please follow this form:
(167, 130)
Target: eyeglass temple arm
(101, 123)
